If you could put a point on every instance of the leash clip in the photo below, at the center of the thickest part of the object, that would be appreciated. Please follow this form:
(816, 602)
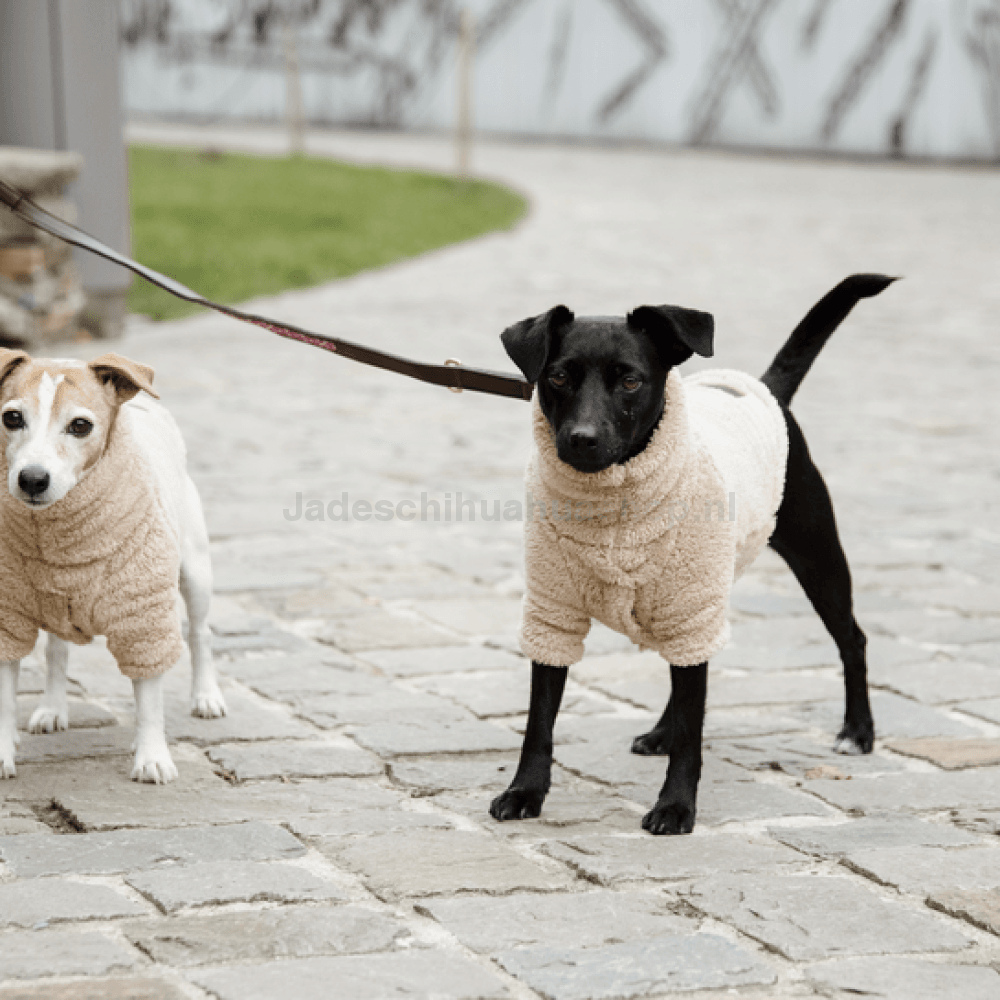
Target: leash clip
(453, 363)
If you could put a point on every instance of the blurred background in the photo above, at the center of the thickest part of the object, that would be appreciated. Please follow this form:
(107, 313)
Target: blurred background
(870, 78)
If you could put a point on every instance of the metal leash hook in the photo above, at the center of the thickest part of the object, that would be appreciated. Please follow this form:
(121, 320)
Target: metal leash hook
(453, 363)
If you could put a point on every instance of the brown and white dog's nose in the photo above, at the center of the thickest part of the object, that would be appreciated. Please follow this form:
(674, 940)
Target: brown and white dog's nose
(33, 480)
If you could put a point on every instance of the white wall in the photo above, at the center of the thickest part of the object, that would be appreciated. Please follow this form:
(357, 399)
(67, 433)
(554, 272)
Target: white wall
(910, 77)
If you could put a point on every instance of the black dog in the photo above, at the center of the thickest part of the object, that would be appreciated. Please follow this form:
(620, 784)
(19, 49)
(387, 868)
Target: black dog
(601, 387)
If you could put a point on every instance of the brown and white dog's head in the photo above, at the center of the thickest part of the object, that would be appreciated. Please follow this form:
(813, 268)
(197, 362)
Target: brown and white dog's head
(55, 418)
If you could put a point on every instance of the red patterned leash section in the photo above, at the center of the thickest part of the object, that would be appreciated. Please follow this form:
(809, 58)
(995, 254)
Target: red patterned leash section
(452, 375)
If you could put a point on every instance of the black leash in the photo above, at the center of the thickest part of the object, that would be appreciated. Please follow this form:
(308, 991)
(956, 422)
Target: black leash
(452, 374)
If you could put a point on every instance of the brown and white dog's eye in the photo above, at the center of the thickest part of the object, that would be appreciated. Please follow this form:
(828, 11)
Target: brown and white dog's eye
(558, 379)
(630, 383)
(13, 420)
(80, 428)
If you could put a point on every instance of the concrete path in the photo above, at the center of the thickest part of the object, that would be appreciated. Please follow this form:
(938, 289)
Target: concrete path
(330, 838)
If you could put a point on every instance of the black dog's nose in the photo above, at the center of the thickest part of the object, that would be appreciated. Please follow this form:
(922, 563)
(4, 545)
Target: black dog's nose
(33, 480)
(583, 439)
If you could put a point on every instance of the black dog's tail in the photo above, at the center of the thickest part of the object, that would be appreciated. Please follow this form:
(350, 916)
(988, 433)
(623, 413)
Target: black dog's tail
(794, 360)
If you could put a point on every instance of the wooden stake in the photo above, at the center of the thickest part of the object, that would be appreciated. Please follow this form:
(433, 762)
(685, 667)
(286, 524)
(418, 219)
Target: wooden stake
(294, 115)
(466, 53)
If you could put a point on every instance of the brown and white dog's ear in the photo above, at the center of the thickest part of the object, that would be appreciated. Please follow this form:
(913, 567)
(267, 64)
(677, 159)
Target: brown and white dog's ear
(529, 342)
(678, 332)
(125, 376)
(9, 361)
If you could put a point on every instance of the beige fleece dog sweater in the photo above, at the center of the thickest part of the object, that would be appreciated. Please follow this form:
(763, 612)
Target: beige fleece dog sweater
(651, 548)
(104, 560)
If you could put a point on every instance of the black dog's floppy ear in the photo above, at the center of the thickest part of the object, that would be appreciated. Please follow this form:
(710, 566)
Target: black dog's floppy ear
(527, 343)
(678, 332)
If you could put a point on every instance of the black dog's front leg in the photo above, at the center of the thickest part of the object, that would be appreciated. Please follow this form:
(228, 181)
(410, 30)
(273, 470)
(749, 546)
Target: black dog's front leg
(524, 798)
(680, 730)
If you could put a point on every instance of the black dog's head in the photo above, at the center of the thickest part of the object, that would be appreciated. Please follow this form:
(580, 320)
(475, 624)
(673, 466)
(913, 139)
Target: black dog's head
(601, 379)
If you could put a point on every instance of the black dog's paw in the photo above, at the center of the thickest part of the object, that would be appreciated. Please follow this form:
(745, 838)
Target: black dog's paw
(855, 738)
(652, 744)
(517, 803)
(669, 817)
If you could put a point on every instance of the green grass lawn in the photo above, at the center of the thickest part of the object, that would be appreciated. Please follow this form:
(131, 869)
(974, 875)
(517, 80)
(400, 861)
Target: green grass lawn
(232, 227)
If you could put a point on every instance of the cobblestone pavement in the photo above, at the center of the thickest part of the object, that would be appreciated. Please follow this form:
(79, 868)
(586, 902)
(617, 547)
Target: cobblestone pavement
(330, 837)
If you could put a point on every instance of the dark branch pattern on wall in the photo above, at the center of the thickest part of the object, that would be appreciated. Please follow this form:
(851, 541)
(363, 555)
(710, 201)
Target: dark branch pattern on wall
(392, 53)
(862, 69)
(982, 39)
(653, 36)
(919, 74)
(737, 59)
(562, 32)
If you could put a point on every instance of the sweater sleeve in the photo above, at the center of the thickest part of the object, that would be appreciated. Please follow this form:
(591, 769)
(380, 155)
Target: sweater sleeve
(554, 623)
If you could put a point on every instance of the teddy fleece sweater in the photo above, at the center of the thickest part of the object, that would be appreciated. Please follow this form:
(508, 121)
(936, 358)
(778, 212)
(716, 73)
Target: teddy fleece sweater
(104, 560)
(651, 548)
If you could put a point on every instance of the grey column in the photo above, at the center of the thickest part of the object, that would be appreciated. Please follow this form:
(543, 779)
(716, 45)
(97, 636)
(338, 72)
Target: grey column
(60, 89)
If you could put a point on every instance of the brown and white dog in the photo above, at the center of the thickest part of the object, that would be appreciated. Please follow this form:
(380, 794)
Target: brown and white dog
(100, 526)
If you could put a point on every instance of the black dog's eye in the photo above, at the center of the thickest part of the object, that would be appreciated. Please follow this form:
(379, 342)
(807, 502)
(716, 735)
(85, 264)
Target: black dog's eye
(631, 382)
(558, 379)
(13, 420)
(80, 428)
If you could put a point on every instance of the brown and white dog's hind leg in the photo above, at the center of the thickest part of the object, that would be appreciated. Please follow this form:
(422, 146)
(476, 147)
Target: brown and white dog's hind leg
(8, 716)
(153, 762)
(196, 589)
(52, 713)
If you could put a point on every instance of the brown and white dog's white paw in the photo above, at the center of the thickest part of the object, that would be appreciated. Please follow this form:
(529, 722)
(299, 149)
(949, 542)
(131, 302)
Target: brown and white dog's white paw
(7, 768)
(208, 704)
(49, 719)
(153, 763)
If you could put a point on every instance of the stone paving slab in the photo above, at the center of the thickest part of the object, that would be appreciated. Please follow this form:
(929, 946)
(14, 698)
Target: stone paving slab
(232, 882)
(913, 792)
(489, 925)
(298, 679)
(895, 718)
(335, 832)
(988, 708)
(925, 869)
(905, 979)
(951, 755)
(119, 988)
(265, 935)
(441, 974)
(75, 744)
(639, 969)
(82, 714)
(246, 718)
(809, 917)
(473, 616)
(434, 862)
(980, 907)
(294, 759)
(401, 739)
(841, 839)
(30, 855)
(381, 630)
(441, 660)
(32, 903)
(431, 775)
(937, 683)
(332, 711)
(33, 954)
(609, 860)
(201, 796)
(801, 756)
